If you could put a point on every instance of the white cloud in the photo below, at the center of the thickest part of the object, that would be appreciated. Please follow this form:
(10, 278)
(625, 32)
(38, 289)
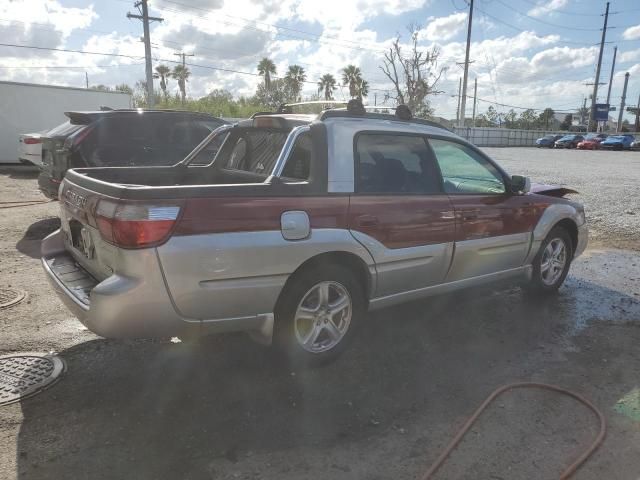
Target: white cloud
(630, 56)
(545, 8)
(50, 12)
(632, 33)
(444, 28)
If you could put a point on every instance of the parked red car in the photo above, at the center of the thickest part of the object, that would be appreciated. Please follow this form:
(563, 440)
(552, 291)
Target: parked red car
(592, 141)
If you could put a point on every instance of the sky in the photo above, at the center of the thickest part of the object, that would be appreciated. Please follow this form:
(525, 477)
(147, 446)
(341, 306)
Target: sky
(525, 53)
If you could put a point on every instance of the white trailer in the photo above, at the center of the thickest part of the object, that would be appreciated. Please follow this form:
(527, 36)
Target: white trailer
(29, 107)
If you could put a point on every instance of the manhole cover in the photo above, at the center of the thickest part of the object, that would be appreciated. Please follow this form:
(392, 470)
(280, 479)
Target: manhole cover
(10, 296)
(27, 374)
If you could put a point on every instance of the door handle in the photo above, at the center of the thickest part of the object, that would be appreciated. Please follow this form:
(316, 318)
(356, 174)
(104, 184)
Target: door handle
(469, 216)
(367, 221)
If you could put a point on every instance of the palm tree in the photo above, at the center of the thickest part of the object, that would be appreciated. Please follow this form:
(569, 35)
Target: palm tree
(266, 68)
(362, 88)
(352, 76)
(163, 73)
(181, 74)
(326, 86)
(294, 79)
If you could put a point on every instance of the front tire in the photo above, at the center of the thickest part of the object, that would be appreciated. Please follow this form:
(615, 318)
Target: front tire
(317, 315)
(552, 262)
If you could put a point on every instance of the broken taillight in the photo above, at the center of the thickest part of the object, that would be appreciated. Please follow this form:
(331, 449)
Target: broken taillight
(135, 225)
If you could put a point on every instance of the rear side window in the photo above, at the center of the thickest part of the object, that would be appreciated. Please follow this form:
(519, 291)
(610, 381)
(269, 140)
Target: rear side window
(387, 163)
(253, 150)
(298, 164)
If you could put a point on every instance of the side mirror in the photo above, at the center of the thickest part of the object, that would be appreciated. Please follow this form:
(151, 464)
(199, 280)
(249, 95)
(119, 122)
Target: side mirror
(520, 184)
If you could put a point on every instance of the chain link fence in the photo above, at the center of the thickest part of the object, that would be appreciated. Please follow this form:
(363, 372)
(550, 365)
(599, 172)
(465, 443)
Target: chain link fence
(504, 137)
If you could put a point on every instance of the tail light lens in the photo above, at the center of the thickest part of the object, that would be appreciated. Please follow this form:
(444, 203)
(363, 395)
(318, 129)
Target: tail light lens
(136, 225)
(32, 141)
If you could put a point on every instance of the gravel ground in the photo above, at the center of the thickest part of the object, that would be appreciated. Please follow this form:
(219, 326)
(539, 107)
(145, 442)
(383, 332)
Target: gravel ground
(608, 182)
(225, 408)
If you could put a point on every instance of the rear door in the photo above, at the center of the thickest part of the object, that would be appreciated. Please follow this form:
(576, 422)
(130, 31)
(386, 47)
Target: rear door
(399, 212)
(493, 226)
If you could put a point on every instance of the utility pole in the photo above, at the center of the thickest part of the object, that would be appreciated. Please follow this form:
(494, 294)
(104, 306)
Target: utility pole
(375, 99)
(86, 79)
(142, 7)
(463, 101)
(183, 55)
(475, 101)
(637, 122)
(624, 97)
(458, 110)
(594, 97)
(613, 67)
(582, 112)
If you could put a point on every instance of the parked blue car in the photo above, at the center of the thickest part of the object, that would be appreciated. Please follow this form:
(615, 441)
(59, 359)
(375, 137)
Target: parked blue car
(618, 142)
(547, 141)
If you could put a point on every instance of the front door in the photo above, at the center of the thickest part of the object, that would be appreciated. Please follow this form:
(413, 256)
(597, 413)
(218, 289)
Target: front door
(493, 226)
(400, 213)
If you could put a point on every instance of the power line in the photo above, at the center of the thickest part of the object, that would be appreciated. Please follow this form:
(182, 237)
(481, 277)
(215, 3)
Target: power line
(555, 25)
(118, 65)
(68, 50)
(535, 4)
(517, 29)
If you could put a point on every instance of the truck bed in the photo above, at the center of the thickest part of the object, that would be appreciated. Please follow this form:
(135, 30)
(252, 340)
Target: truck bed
(142, 183)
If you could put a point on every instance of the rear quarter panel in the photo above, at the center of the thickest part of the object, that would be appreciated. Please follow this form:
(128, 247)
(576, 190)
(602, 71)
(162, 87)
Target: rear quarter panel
(228, 257)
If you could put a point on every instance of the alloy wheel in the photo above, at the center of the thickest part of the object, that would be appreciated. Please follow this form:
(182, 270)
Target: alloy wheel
(554, 259)
(323, 317)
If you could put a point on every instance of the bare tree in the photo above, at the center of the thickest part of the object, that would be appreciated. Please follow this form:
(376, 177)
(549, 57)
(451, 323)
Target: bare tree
(415, 76)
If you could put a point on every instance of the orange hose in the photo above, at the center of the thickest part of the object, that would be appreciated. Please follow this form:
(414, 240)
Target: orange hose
(570, 470)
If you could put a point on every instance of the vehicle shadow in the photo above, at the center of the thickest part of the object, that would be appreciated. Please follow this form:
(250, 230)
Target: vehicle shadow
(144, 409)
(29, 244)
(20, 171)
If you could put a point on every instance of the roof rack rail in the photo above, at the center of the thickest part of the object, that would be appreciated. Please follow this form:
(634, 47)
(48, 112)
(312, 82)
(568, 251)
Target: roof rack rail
(379, 116)
(262, 113)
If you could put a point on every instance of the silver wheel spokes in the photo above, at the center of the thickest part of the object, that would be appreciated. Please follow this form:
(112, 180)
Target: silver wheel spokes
(554, 259)
(323, 317)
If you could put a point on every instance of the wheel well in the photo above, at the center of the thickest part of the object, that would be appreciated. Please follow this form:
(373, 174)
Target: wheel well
(571, 228)
(345, 259)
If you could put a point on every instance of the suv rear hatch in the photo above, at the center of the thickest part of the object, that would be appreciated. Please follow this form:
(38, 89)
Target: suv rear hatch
(54, 163)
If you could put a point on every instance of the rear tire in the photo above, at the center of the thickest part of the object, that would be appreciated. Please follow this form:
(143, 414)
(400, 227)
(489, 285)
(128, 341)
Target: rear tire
(318, 314)
(551, 263)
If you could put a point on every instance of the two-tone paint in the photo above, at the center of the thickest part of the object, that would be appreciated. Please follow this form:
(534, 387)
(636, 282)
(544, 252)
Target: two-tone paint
(235, 247)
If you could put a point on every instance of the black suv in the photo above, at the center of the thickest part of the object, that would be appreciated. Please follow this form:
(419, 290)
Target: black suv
(121, 138)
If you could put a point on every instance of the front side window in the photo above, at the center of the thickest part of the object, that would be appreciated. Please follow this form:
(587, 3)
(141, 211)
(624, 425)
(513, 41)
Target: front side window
(387, 163)
(464, 171)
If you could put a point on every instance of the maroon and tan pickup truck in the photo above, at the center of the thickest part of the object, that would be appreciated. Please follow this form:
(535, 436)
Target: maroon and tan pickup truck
(297, 226)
